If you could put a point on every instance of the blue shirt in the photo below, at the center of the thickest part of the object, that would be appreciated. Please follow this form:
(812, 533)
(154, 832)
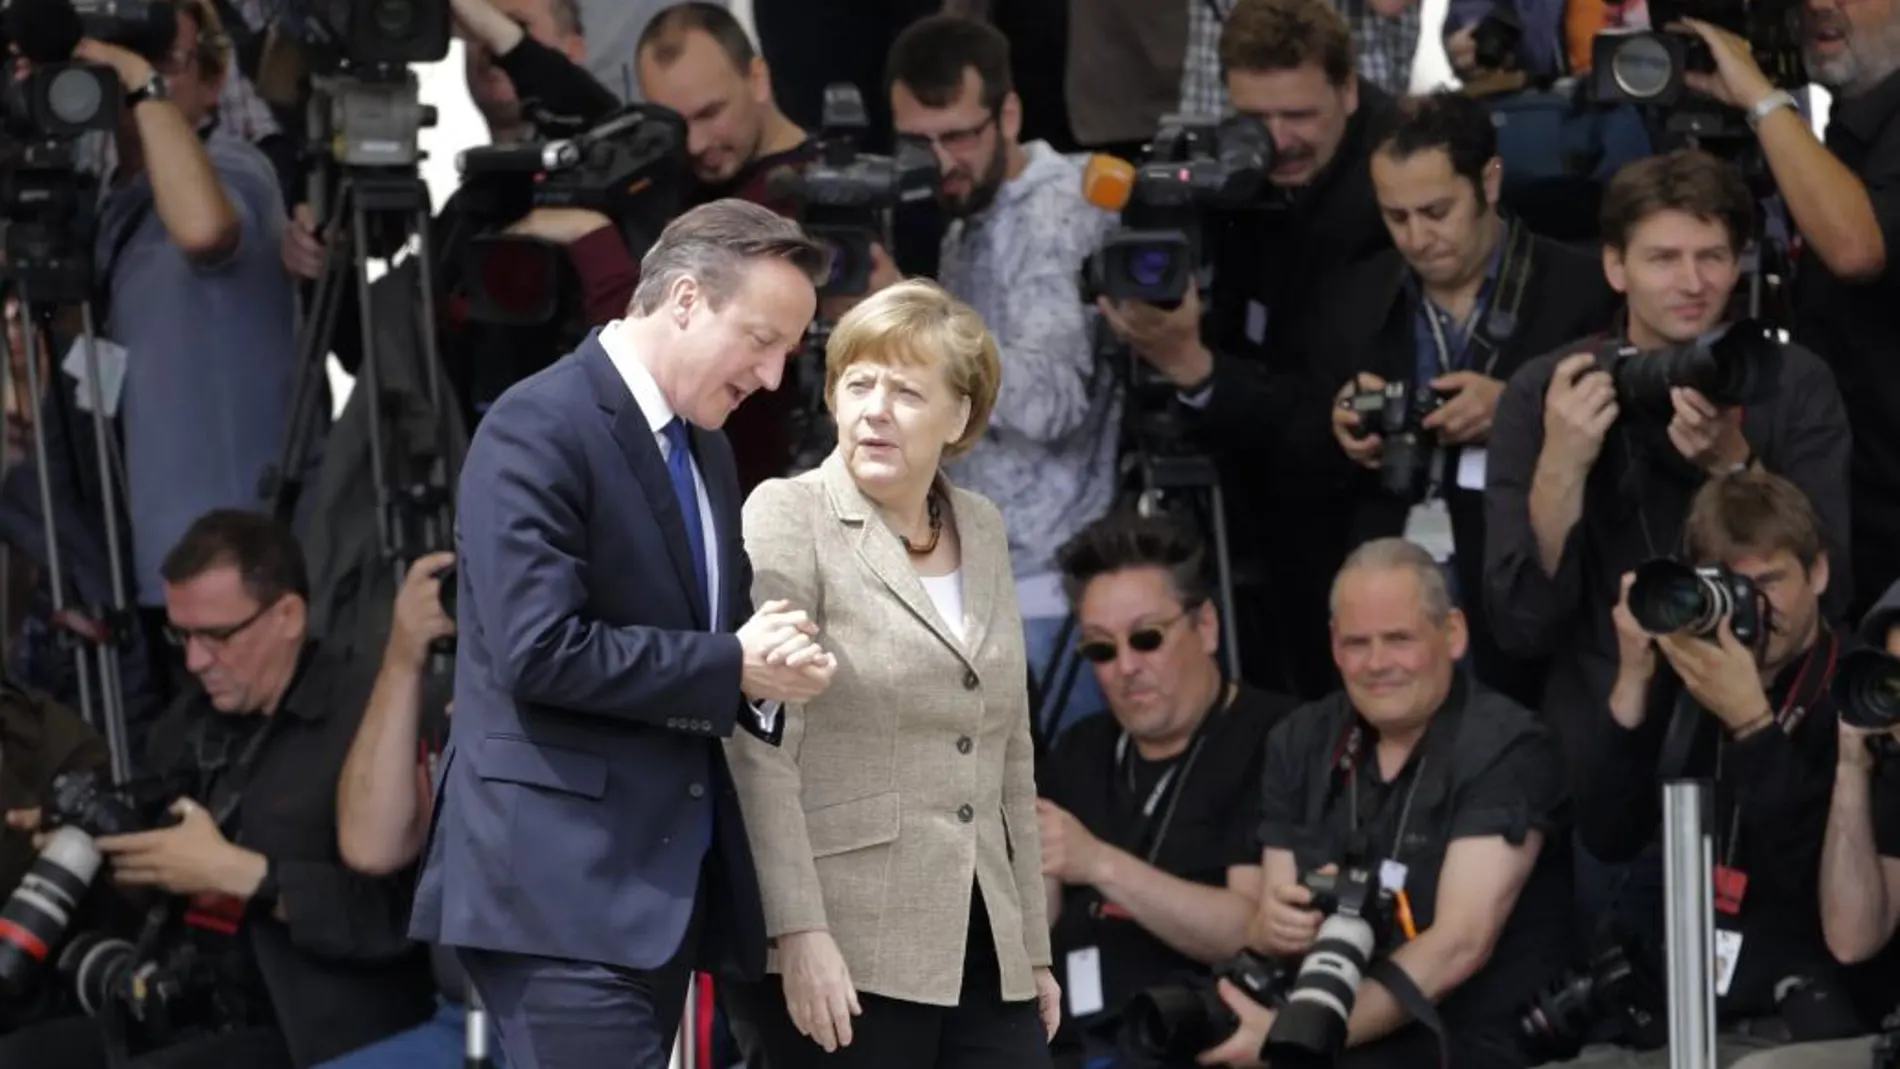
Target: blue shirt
(1457, 335)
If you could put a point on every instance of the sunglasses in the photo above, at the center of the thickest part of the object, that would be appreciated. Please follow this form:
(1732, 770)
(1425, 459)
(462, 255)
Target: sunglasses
(1144, 640)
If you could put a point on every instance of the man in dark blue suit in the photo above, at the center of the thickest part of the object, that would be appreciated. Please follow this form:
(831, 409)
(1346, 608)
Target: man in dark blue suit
(588, 852)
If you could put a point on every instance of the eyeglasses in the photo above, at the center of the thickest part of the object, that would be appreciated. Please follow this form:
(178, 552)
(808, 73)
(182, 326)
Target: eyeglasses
(953, 140)
(213, 636)
(1143, 640)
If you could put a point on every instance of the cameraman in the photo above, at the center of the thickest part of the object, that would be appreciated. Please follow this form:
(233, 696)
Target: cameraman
(1767, 742)
(1455, 791)
(1841, 197)
(1584, 483)
(1467, 297)
(1149, 811)
(309, 959)
(1266, 352)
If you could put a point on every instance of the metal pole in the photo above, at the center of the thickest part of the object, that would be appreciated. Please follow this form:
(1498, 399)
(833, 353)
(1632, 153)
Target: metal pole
(1689, 923)
(474, 1030)
(686, 1043)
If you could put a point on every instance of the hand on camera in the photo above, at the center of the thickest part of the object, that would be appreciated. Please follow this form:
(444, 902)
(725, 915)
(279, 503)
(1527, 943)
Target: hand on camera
(1069, 852)
(818, 991)
(1461, 48)
(1738, 80)
(783, 661)
(1365, 451)
(191, 857)
(1169, 339)
(562, 226)
(1465, 417)
(1242, 1049)
(1286, 924)
(134, 70)
(1711, 438)
(302, 247)
(1635, 647)
(1579, 410)
(28, 820)
(1722, 676)
(419, 619)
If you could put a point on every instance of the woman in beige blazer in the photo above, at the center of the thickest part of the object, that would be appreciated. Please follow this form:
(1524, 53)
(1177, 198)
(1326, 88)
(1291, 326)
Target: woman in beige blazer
(895, 827)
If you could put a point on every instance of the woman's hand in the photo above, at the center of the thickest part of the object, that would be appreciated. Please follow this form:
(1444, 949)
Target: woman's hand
(1048, 1000)
(818, 991)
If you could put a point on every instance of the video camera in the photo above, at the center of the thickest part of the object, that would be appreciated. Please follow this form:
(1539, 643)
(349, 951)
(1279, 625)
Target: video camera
(1647, 66)
(1169, 1025)
(1668, 597)
(1396, 413)
(630, 167)
(1738, 363)
(844, 194)
(1193, 164)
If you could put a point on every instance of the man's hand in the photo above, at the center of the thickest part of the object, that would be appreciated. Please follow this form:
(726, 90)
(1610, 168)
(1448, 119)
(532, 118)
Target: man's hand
(1722, 676)
(1365, 451)
(1461, 48)
(1738, 80)
(818, 991)
(1168, 339)
(302, 247)
(562, 226)
(1709, 437)
(28, 820)
(133, 69)
(1286, 924)
(1069, 852)
(782, 661)
(1579, 409)
(1466, 417)
(189, 858)
(419, 619)
(1635, 647)
(1242, 1049)
(1048, 1001)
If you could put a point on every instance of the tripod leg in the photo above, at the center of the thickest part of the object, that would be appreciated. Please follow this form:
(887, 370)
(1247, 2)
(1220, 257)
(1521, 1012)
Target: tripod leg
(111, 684)
(369, 380)
(1224, 582)
(314, 336)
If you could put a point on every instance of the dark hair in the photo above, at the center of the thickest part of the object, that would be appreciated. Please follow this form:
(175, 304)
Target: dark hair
(712, 241)
(1124, 540)
(1687, 180)
(1284, 35)
(259, 546)
(1448, 122)
(666, 34)
(1751, 512)
(931, 54)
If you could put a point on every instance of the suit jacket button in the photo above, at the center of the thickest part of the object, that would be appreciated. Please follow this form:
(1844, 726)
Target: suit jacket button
(696, 790)
(969, 679)
(966, 814)
(964, 744)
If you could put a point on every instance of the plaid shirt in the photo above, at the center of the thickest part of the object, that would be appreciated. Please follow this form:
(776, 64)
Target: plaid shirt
(1385, 47)
(241, 111)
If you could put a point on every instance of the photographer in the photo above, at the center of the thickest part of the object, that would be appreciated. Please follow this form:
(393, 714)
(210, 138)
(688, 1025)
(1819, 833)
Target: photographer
(1149, 811)
(304, 959)
(1265, 353)
(1591, 473)
(1841, 197)
(1447, 796)
(1743, 700)
(1019, 229)
(1466, 298)
(185, 241)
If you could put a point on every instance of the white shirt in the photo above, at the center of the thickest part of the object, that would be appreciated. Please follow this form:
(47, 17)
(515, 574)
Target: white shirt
(946, 593)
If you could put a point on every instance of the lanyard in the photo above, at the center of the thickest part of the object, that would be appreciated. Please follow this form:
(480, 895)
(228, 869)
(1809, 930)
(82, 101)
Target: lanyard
(1349, 764)
(1794, 709)
(1175, 776)
(1494, 318)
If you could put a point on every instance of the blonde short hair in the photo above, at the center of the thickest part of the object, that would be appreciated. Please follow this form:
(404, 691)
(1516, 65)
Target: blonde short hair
(917, 323)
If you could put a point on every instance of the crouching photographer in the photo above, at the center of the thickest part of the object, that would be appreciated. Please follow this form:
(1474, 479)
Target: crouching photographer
(1413, 838)
(1724, 671)
(260, 948)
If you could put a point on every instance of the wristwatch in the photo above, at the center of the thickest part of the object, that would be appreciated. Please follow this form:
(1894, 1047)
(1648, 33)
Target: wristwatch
(153, 89)
(1767, 106)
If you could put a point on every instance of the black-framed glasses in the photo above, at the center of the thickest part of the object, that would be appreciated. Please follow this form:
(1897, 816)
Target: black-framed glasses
(214, 636)
(953, 141)
(1142, 640)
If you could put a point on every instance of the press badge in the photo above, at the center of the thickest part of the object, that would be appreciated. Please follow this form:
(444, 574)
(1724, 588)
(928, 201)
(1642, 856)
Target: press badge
(1256, 323)
(1428, 526)
(1392, 876)
(1728, 951)
(111, 356)
(1085, 981)
(1471, 468)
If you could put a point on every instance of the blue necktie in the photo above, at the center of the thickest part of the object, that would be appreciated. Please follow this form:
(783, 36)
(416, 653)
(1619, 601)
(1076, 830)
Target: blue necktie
(679, 468)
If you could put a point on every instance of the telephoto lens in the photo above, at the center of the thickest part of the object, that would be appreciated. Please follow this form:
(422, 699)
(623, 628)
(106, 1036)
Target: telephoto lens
(95, 964)
(1311, 1029)
(1669, 597)
(1171, 1025)
(1736, 364)
(1867, 690)
(43, 905)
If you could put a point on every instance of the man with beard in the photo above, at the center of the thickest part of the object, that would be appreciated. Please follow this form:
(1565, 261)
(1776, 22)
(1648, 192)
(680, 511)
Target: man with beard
(1844, 198)
(1019, 232)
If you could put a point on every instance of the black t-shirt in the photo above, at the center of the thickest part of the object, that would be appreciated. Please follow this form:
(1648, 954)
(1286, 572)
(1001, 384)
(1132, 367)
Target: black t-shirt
(1203, 824)
(1486, 767)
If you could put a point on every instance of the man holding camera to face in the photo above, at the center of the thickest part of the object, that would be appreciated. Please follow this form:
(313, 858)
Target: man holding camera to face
(1597, 449)
(1724, 671)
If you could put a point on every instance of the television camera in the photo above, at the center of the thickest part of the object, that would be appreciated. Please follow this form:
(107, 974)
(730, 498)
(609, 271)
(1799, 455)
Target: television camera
(1668, 596)
(1646, 67)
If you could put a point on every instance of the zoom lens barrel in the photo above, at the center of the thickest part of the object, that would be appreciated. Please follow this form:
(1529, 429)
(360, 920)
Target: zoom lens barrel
(36, 916)
(1311, 1028)
(1668, 597)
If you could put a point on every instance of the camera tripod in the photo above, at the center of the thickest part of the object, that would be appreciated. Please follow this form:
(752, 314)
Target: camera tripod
(93, 633)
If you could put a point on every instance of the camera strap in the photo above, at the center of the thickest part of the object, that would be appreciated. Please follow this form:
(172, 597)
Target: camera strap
(1493, 320)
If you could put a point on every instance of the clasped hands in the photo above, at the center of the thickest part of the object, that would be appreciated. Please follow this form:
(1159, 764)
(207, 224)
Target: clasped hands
(783, 661)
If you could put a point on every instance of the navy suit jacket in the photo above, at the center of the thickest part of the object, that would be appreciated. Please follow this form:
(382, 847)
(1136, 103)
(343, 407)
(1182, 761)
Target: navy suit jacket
(583, 761)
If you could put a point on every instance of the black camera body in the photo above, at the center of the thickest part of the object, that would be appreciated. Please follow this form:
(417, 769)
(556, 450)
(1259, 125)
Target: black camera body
(82, 799)
(1170, 1025)
(1668, 596)
(375, 33)
(1866, 690)
(1396, 413)
(1619, 983)
(1738, 363)
(1647, 66)
(843, 194)
(1310, 1029)
(1193, 164)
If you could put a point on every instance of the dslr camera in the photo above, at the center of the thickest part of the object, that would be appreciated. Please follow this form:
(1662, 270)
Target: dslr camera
(1170, 1025)
(1310, 1029)
(1866, 690)
(844, 194)
(1619, 983)
(1669, 597)
(1396, 413)
(1647, 66)
(1193, 164)
(1738, 363)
